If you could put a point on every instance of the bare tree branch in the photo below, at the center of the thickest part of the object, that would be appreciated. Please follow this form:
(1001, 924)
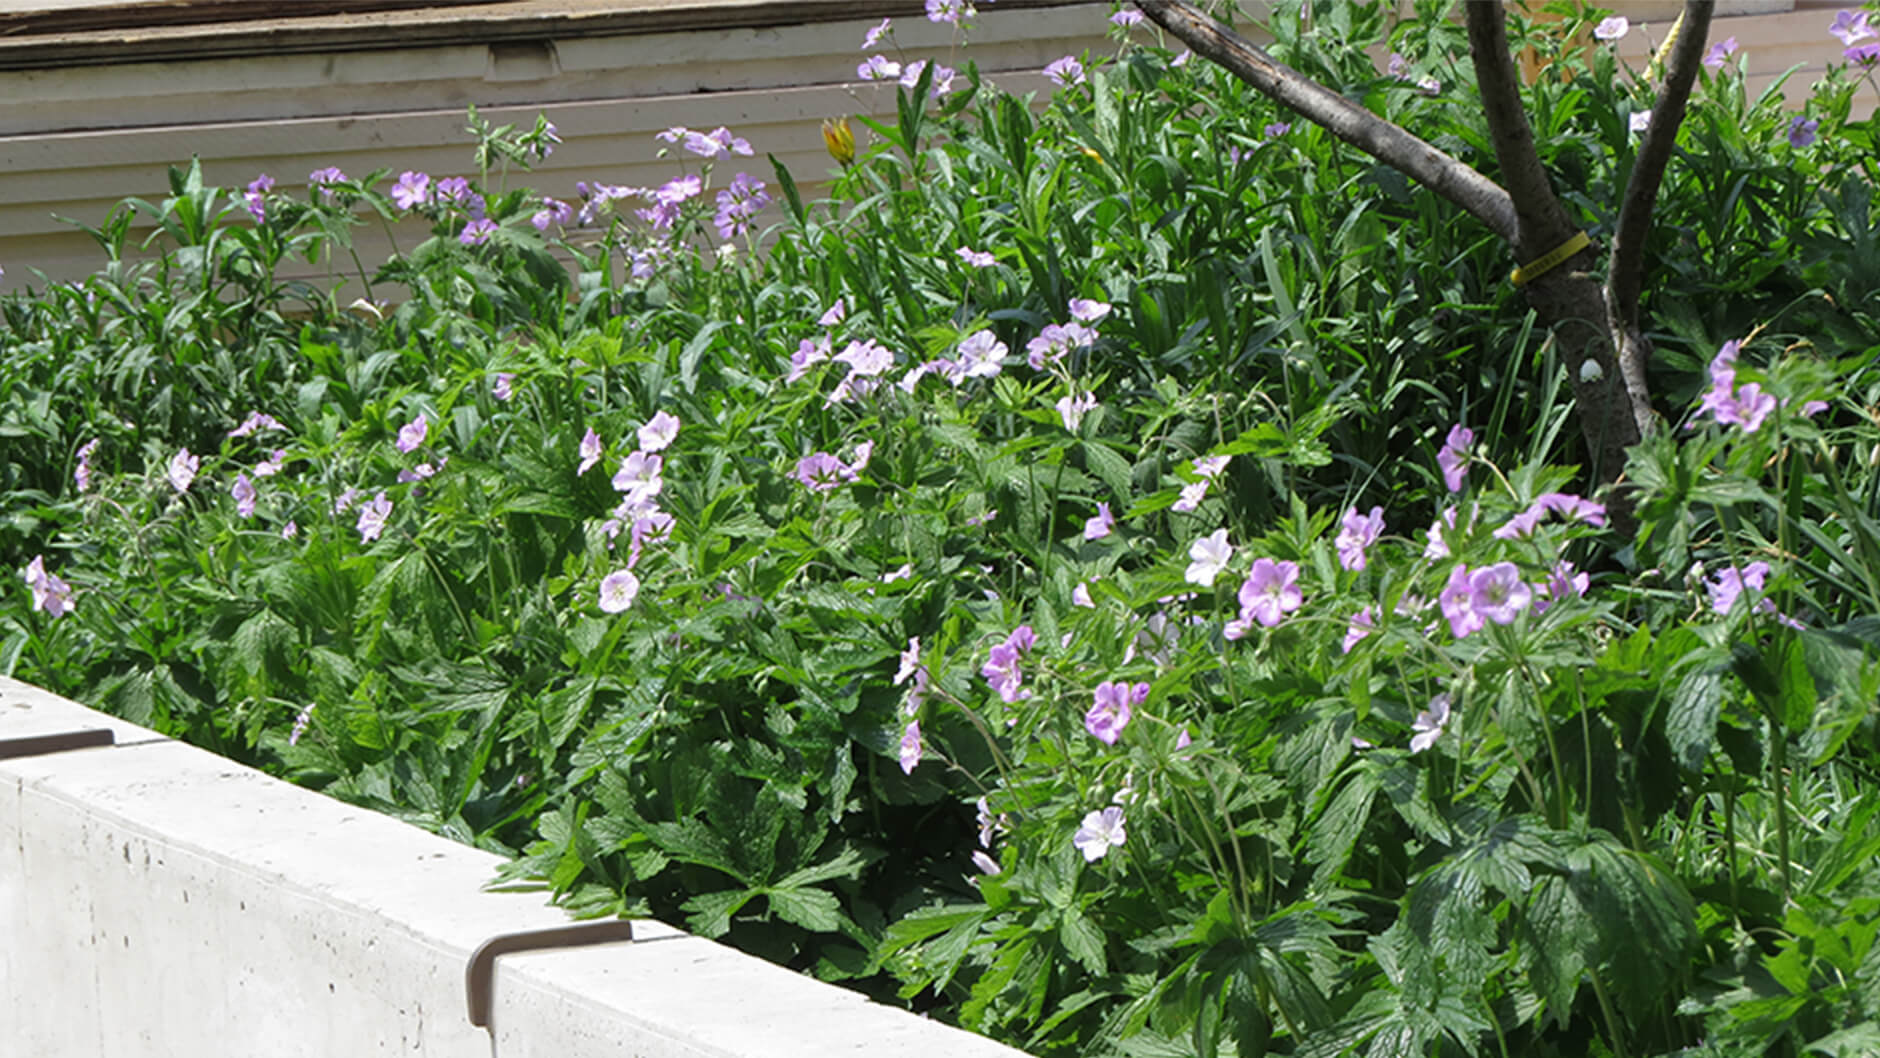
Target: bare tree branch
(1476, 194)
(1543, 223)
(1623, 273)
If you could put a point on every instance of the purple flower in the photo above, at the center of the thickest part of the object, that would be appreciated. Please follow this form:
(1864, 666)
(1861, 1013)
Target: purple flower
(477, 232)
(1080, 596)
(50, 593)
(412, 190)
(1362, 624)
(1208, 557)
(873, 36)
(1497, 593)
(1065, 71)
(1802, 131)
(244, 494)
(1192, 495)
(300, 726)
(1458, 603)
(1747, 406)
(808, 354)
(290, 530)
(651, 528)
(256, 196)
(878, 68)
(982, 354)
(820, 472)
(1454, 456)
(1086, 310)
(1072, 408)
(716, 142)
(1359, 532)
(1723, 49)
(322, 180)
(836, 314)
(659, 431)
(976, 258)
(867, 359)
(1055, 341)
(1001, 667)
(1865, 54)
(1612, 28)
(182, 469)
(1102, 523)
(1270, 592)
(503, 386)
(372, 515)
(1564, 581)
(1110, 713)
(1429, 724)
(1276, 129)
(553, 211)
(1126, 18)
(1730, 584)
(638, 478)
(411, 435)
(81, 474)
(1561, 503)
(910, 661)
(618, 590)
(589, 450)
(737, 204)
(910, 747)
(1437, 547)
(954, 11)
(1851, 26)
(1101, 832)
(254, 423)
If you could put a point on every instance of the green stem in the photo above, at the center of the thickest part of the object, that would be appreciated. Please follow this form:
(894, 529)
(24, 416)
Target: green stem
(1779, 766)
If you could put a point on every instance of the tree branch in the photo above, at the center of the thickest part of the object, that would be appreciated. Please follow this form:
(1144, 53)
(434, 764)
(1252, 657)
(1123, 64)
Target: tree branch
(1543, 224)
(1623, 272)
(1454, 180)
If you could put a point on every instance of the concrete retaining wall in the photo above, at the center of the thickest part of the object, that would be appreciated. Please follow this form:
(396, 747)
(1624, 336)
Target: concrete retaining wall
(157, 900)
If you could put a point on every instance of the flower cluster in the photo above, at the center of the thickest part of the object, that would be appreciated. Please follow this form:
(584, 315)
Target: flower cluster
(1001, 667)
(50, 593)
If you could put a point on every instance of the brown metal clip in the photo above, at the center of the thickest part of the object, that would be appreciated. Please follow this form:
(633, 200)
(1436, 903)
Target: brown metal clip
(479, 976)
(37, 745)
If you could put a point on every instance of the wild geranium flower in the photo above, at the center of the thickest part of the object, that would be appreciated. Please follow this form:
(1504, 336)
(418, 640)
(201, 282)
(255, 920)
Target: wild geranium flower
(808, 354)
(1865, 54)
(821, 472)
(953, 11)
(986, 864)
(1191, 496)
(344, 502)
(1156, 640)
(651, 528)
(659, 431)
(910, 747)
(1566, 505)
(300, 725)
(290, 530)
(1802, 131)
(553, 211)
(1276, 129)
(867, 359)
(589, 450)
(1639, 121)
(1429, 724)
(244, 493)
(976, 258)
(1001, 667)
(1498, 594)
(744, 199)
(477, 232)
(1101, 832)
(1719, 52)
(982, 354)
(1066, 71)
(835, 314)
(1080, 596)
(618, 590)
(1086, 310)
(321, 178)
(412, 190)
(81, 474)
(1851, 26)
(1612, 28)
(873, 36)
(372, 515)
(182, 469)
(1102, 523)
(1126, 18)
(878, 68)
(639, 477)
(1208, 557)
(1358, 533)
(502, 387)
(50, 593)
(1210, 468)
(1454, 456)
(1362, 624)
(1729, 585)
(910, 661)
(1563, 582)
(256, 196)
(1747, 406)
(420, 472)
(719, 141)
(1056, 341)
(1270, 592)
(1110, 713)
(1072, 408)
(1458, 603)
(254, 423)
(411, 435)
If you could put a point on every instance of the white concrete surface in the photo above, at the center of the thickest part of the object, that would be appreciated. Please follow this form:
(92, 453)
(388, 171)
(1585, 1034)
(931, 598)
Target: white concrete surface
(157, 900)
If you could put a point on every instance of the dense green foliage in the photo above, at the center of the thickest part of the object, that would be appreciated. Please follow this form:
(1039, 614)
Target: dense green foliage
(889, 701)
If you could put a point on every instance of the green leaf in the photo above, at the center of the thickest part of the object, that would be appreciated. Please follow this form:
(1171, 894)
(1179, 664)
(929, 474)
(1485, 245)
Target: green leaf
(1082, 940)
(814, 909)
(1691, 722)
(710, 913)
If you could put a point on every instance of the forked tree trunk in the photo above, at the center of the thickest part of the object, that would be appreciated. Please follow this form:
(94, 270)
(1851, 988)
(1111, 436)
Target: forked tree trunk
(1595, 325)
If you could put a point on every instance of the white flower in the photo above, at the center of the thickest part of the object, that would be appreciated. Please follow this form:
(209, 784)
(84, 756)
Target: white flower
(1429, 724)
(1209, 556)
(590, 451)
(618, 590)
(182, 469)
(659, 432)
(1612, 28)
(1192, 494)
(1101, 832)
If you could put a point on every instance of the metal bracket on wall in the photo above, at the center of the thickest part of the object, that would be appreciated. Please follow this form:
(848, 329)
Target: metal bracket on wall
(37, 745)
(479, 975)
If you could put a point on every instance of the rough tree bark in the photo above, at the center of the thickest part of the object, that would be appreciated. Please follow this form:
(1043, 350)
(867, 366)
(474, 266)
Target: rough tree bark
(1595, 326)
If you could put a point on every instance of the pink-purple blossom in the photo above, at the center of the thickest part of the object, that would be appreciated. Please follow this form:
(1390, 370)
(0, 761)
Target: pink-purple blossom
(51, 594)
(1851, 26)
(1066, 71)
(243, 492)
(638, 479)
(737, 204)
(1001, 667)
(982, 354)
(477, 232)
(589, 451)
(412, 434)
(1802, 131)
(1719, 52)
(953, 11)
(255, 423)
(1454, 456)
(873, 36)
(618, 590)
(255, 198)
(910, 747)
(866, 358)
(1101, 832)
(821, 472)
(81, 474)
(1101, 524)
(413, 189)
(1088, 310)
(1458, 603)
(1110, 712)
(1356, 535)
(976, 258)
(1729, 404)
(182, 469)
(1731, 583)
(1072, 407)
(1497, 593)
(1562, 582)
(878, 68)
(1612, 28)
(372, 516)
(659, 432)
(1566, 505)
(1270, 592)
(1429, 724)
(1191, 496)
(1361, 624)
(1126, 18)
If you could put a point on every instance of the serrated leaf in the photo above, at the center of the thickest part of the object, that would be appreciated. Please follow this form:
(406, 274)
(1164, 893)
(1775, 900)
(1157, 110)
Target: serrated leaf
(1691, 721)
(1082, 940)
(816, 910)
(709, 914)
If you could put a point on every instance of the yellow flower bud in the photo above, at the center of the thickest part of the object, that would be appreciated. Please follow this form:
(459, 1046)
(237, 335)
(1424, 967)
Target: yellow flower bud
(839, 139)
